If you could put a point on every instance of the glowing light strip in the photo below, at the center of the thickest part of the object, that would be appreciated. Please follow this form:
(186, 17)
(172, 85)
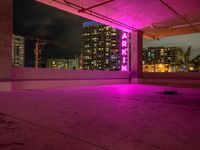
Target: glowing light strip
(124, 52)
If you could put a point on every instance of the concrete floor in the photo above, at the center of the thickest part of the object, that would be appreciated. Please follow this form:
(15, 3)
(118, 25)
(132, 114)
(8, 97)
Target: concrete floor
(112, 117)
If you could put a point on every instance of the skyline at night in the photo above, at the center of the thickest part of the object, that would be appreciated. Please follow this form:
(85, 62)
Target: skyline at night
(35, 20)
(99, 74)
(181, 41)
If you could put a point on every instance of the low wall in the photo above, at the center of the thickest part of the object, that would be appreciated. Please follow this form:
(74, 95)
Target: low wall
(31, 78)
(187, 79)
(64, 83)
(173, 75)
(5, 85)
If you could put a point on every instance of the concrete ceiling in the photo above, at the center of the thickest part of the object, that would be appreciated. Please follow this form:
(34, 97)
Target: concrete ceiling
(156, 18)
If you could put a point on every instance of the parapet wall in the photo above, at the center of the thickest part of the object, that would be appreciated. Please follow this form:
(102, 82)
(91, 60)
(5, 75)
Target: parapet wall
(31, 78)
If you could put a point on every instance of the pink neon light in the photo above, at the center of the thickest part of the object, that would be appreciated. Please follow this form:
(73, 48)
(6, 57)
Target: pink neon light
(124, 36)
(124, 51)
(124, 60)
(124, 43)
(124, 67)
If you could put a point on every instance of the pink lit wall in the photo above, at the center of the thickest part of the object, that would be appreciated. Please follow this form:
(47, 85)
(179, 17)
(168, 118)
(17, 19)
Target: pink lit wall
(51, 74)
(30, 78)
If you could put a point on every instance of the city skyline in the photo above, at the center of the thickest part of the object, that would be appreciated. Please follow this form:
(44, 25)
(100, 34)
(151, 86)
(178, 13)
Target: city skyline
(34, 19)
(181, 41)
(164, 59)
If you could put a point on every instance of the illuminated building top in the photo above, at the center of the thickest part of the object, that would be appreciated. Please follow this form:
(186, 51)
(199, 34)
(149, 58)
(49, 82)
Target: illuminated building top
(101, 47)
(90, 23)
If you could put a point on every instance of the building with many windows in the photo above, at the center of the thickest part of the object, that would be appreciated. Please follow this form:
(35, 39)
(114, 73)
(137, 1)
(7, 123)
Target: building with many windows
(162, 59)
(57, 63)
(18, 51)
(194, 64)
(101, 47)
(71, 64)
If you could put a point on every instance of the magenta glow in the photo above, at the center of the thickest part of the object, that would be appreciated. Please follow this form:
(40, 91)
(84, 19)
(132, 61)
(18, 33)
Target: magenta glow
(124, 52)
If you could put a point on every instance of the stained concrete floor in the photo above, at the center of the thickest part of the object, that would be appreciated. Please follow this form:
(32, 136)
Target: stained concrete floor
(112, 117)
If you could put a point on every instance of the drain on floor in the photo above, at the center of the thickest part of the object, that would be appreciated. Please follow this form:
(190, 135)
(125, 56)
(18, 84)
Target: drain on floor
(169, 92)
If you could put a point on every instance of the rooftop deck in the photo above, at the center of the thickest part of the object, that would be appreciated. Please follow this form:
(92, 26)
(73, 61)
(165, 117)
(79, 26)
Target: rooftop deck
(113, 117)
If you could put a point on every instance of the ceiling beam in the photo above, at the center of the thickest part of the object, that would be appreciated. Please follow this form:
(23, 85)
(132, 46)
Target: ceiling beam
(96, 5)
(179, 15)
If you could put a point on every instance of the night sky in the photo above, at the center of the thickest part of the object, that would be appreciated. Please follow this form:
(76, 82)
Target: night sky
(33, 19)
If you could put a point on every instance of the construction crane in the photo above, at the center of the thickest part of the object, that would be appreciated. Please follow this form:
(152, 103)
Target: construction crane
(38, 51)
(39, 43)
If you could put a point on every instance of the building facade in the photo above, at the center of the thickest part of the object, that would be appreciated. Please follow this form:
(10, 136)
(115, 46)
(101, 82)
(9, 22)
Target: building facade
(102, 47)
(71, 64)
(18, 51)
(194, 65)
(162, 59)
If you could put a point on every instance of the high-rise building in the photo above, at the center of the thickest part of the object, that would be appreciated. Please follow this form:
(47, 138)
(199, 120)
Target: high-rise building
(162, 59)
(104, 47)
(18, 52)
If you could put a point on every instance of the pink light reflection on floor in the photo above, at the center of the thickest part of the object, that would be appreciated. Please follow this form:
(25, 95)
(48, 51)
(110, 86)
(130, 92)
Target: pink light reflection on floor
(112, 116)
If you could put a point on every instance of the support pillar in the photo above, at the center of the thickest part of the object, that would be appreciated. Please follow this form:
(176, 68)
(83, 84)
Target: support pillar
(5, 39)
(136, 54)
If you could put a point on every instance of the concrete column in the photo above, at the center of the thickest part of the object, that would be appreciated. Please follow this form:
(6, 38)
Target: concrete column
(5, 39)
(136, 54)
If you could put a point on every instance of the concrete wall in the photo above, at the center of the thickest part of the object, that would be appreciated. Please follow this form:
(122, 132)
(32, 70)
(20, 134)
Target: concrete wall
(46, 84)
(173, 75)
(5, 86)
(136, 53)
(183, 79)
(31, 78)
(5, 39)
